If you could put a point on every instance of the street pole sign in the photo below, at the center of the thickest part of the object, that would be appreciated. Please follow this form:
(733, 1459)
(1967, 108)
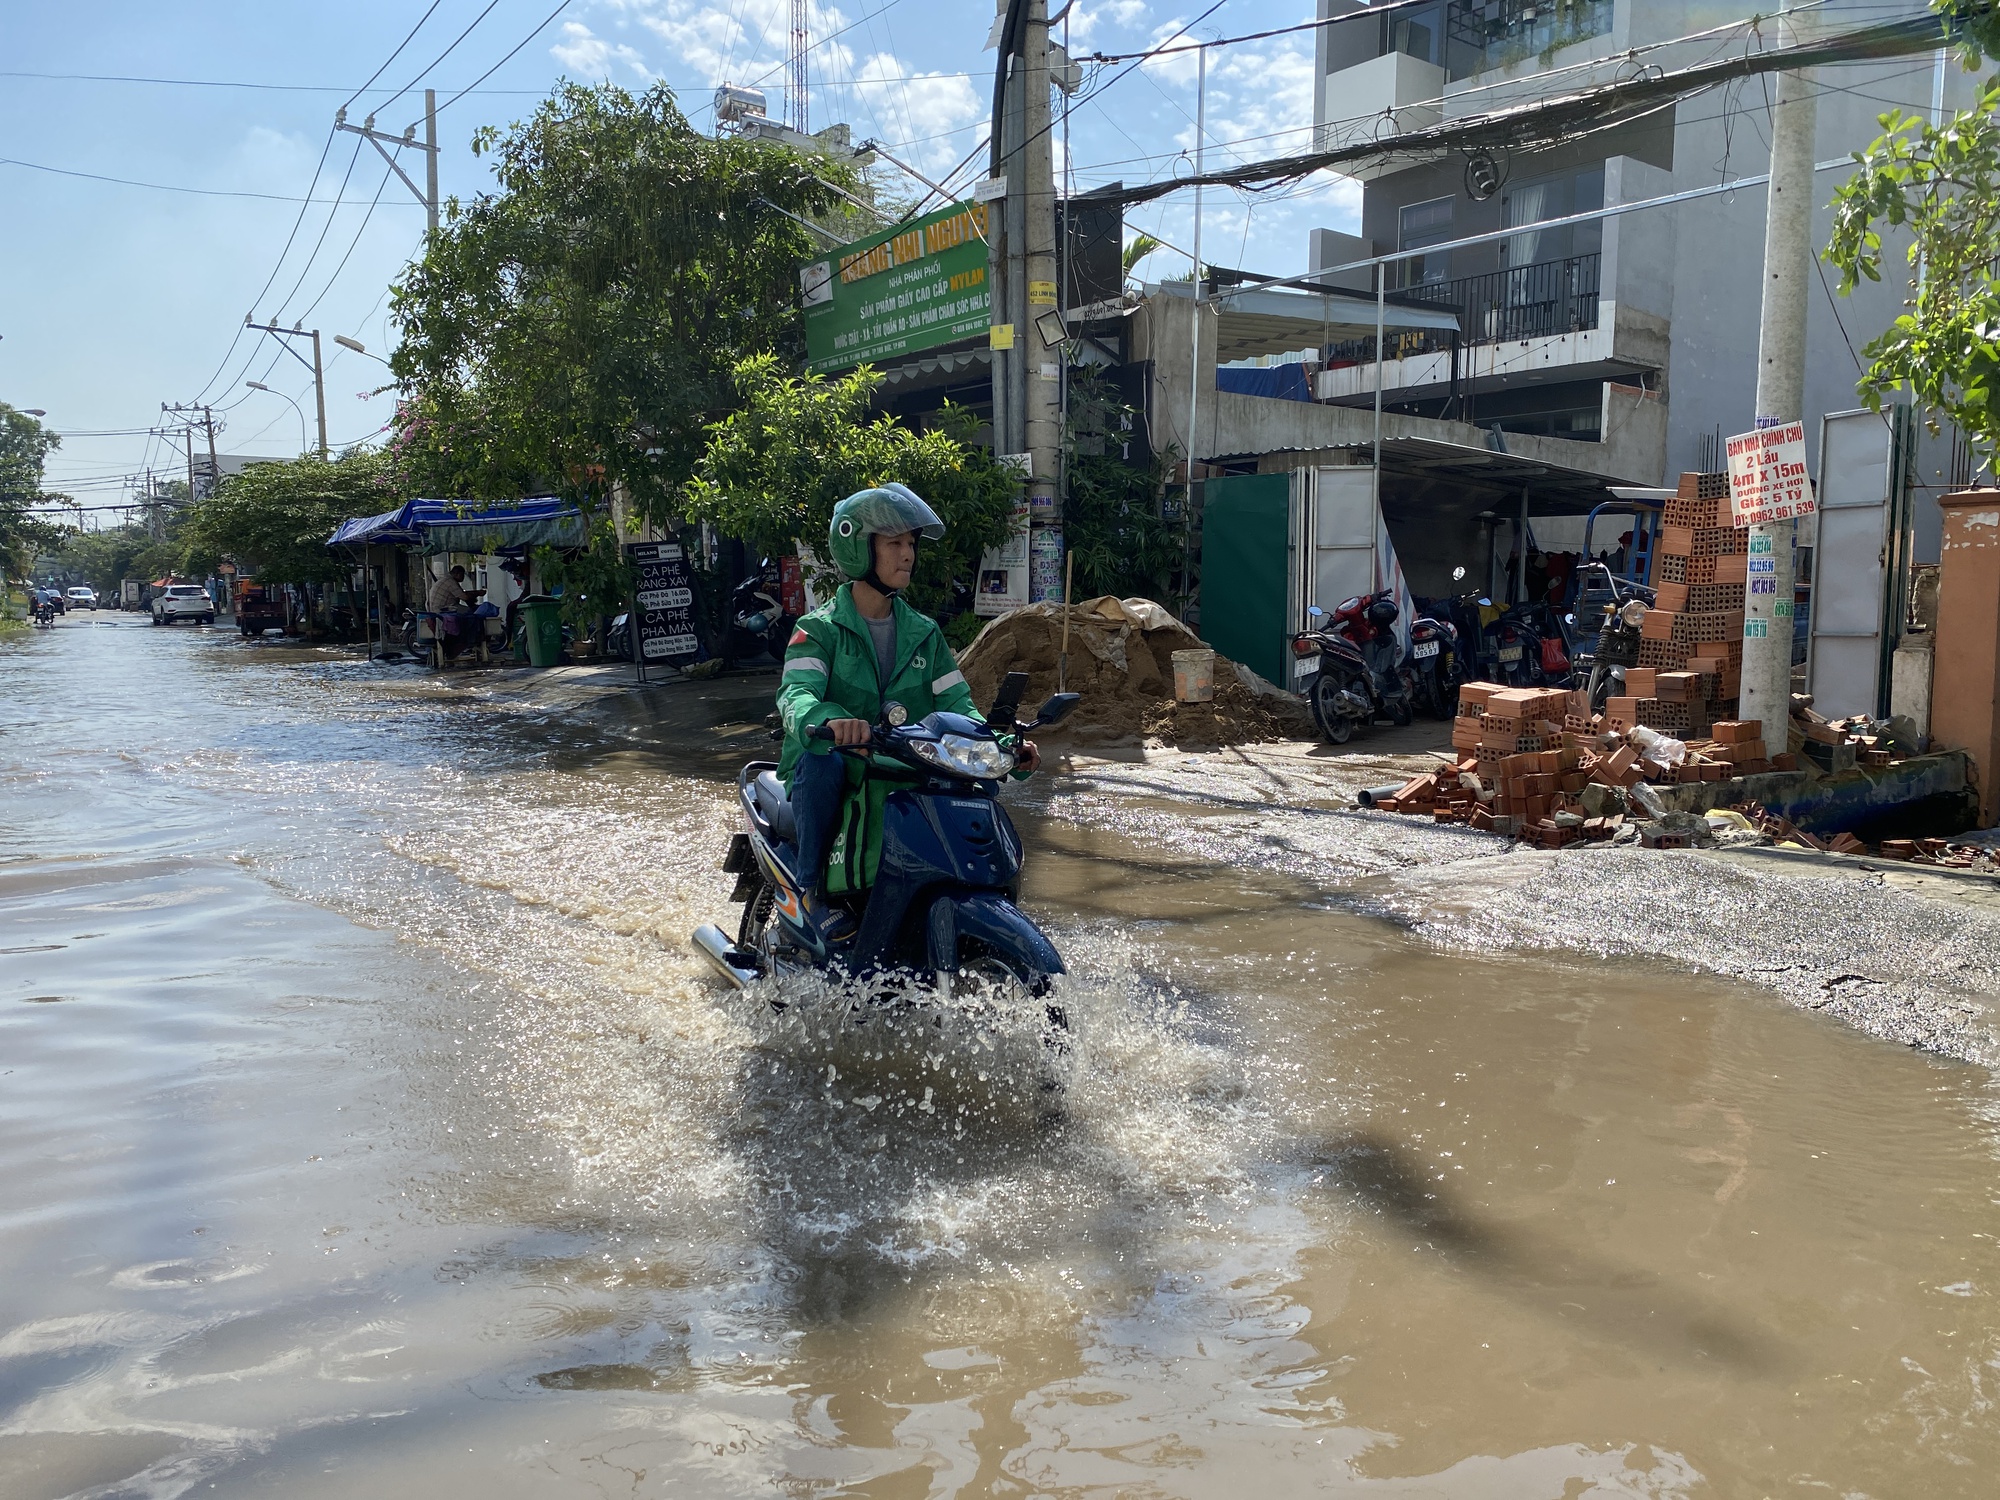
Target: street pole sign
(914, 287)
(663, 598)
(1767, 476)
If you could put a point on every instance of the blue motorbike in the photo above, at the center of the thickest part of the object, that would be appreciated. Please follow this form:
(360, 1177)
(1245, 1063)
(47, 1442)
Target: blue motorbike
(941, 911)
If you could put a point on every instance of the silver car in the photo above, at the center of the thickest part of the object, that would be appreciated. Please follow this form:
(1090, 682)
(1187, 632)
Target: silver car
(82, 597)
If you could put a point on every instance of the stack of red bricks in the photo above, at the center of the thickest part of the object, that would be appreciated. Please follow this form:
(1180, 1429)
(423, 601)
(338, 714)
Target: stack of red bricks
(1525, 756)
(1696, 624)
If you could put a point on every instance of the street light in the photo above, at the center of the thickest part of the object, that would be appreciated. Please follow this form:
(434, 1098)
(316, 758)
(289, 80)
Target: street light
(33, 411)
(358, 347)
(258, 385)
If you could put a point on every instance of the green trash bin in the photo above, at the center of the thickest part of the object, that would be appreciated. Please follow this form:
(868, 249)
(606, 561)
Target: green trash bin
(542, 617)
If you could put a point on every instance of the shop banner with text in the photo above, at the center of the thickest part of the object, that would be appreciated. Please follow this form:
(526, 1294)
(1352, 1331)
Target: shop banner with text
(911, 288)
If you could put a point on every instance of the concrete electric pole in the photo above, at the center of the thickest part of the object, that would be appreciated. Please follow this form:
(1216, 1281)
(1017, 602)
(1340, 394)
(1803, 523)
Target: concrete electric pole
(428, 193)
(318, 373)
(1781, 379)
(1028, 372)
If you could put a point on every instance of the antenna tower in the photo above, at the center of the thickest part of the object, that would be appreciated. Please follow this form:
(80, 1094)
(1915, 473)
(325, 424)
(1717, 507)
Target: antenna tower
(795, 82)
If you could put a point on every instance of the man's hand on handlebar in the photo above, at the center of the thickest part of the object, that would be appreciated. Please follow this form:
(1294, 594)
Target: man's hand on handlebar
(1028, 755)
(847, 733)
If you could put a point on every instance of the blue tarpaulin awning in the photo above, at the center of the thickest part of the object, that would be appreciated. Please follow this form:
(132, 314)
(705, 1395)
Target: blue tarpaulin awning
(541, 520)
(1285, 382)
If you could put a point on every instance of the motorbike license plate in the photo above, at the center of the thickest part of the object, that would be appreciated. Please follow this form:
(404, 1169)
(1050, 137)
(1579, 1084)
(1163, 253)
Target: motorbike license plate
(1425, 648)
(1510, 653)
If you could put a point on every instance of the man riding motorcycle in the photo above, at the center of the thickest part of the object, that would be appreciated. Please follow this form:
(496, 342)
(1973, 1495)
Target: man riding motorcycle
(863, 649)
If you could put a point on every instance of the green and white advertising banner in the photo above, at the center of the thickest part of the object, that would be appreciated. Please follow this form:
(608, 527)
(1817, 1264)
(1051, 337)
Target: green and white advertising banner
(895, 293)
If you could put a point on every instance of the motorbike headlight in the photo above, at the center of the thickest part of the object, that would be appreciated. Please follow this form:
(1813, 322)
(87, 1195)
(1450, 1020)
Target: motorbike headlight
(962, 755)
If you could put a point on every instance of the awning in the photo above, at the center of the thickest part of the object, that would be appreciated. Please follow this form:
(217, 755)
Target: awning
(1269, 320)
(1453, 480)
(467, 525)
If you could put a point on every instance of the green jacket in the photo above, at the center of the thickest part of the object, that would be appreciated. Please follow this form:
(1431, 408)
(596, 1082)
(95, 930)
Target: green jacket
(831, 673)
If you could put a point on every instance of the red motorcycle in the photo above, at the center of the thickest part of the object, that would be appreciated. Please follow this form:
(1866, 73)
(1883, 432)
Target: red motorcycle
(1359, 676)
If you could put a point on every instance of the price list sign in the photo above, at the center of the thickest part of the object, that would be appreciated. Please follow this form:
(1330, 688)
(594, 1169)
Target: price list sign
(663, 591)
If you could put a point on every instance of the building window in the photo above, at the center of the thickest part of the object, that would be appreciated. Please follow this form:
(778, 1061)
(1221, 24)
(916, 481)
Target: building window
(1418, 225)
(1483, 34)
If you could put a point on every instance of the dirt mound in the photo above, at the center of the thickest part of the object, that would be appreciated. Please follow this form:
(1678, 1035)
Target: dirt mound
(1121, 661)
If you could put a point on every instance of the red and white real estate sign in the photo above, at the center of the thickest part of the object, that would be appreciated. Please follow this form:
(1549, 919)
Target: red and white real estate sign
(1767, 476)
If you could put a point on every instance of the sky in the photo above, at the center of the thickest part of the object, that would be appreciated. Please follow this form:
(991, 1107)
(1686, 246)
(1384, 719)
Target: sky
(116, 298)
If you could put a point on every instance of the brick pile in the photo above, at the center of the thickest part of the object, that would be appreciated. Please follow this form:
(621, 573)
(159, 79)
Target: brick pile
(1525, 756)
(1696, 624)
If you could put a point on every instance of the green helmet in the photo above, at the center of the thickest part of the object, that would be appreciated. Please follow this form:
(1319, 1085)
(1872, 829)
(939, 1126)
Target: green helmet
(886, 510)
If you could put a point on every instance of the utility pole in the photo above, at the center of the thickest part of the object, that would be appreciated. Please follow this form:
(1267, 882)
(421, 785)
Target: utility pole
(318, 372)
(1028, 377)
(428, 194)
(1781, 379)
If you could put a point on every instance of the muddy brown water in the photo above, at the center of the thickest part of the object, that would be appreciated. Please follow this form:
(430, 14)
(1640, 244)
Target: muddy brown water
(366, 1128)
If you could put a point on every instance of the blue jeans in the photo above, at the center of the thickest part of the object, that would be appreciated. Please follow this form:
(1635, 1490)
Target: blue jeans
(819, 788)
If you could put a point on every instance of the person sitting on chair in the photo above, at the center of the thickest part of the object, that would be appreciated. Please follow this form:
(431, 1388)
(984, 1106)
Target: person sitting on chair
(449, 598)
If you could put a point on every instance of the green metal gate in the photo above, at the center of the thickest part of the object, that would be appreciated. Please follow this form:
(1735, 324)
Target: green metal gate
(1245, 571)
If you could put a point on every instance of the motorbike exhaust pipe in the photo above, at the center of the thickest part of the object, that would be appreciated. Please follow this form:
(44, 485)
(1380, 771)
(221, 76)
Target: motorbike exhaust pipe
(734, 965)
(1369, 796)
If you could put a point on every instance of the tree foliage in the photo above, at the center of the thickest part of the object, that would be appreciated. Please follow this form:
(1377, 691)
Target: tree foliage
(1113, 520)
(25, 445)
(577, 327)
(1941, 186)
(273, 519)
(774, 470)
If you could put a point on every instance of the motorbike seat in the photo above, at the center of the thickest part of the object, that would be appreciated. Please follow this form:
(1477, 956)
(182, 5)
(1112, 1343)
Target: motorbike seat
(774, 806)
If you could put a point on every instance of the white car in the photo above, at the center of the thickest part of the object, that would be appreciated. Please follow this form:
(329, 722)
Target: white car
(183, 601)
(82, 597)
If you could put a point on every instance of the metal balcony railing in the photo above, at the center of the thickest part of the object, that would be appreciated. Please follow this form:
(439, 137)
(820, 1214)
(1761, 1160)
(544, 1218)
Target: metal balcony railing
(1526, 302)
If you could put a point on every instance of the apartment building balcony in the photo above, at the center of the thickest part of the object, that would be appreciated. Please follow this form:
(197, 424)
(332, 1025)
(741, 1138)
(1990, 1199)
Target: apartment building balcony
(1545, 323)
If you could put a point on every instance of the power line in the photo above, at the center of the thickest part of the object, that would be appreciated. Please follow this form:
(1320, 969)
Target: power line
(167, 187)
(331, 214)
(222, 83)
(561, 6)
(438, 59)
(394, 55)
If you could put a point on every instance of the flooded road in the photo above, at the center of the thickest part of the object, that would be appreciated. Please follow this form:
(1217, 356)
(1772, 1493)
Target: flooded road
(367, 1128)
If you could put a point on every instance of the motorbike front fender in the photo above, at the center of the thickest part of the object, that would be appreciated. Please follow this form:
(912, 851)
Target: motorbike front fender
(994, 921)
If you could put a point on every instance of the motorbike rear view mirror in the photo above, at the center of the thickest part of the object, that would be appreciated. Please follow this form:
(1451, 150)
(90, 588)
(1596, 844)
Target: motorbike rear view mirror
(1007, 703)
(1484, 602)
(1314, 611)
(1458, 575)
(1056, 709)
(1569, 619)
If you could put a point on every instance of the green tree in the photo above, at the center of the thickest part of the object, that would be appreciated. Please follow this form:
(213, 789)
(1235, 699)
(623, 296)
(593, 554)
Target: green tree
(103, 559)
(273, 519)
(773, 471)
(25, 445)
(1113, 520)
(1941, 186)
(577, 327)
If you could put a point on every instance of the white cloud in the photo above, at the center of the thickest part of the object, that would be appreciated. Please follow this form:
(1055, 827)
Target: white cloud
(581, 51)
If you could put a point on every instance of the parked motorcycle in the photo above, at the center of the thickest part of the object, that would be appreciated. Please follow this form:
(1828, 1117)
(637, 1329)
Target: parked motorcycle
(1621, 613)
(1434, 664)
(757, 622)
(941, 911)
(1358, 675)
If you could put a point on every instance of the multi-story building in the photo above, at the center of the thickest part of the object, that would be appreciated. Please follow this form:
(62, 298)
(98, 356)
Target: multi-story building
(1665, 300)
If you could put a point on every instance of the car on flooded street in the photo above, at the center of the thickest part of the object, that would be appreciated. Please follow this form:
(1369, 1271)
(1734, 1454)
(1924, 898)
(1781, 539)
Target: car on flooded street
(81, 597)
(183, 601)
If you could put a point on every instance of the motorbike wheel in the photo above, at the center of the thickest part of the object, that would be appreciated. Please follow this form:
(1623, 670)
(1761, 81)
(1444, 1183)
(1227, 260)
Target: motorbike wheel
(1334, 727)
(1400, 712)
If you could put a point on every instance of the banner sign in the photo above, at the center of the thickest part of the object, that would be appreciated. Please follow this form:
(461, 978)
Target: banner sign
(1003, 571)
(663, 627)
(1767, 476)
(912, 288)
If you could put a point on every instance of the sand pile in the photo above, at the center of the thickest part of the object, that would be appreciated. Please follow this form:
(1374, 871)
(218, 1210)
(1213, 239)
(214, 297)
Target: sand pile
(1121, 661)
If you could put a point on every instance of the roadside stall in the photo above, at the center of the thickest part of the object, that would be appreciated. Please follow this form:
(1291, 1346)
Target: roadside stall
(402, 553)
